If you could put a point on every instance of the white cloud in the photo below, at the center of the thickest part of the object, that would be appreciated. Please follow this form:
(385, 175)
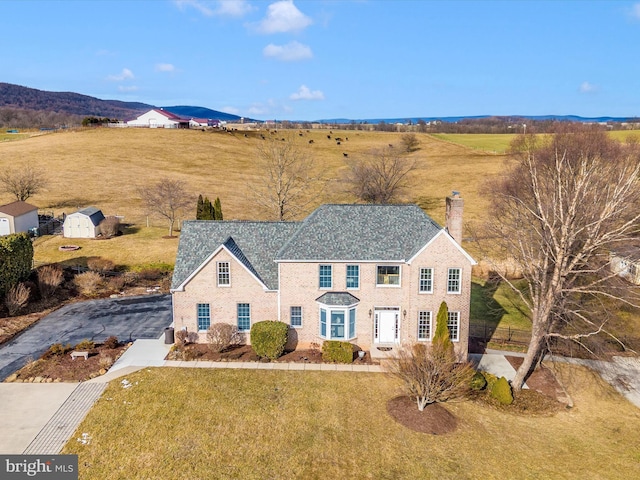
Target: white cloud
(126, 74)
(258, 109)
(165, 67)
(233, 8)
(195, 4)
(230, 8)
(634, 12)
(304, 93)
(586, 87)
(284, 16)
(290, 52)
(131, 88)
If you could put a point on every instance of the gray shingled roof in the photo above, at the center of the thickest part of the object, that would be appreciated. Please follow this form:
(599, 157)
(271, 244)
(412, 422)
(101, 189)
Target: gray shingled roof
(342, 299)
(254, 244)
(330, 233)
(360, 232)
(94, 214)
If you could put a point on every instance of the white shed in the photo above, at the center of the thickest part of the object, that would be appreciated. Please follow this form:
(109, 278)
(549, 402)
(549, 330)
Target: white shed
(625, 262)
(83, 223)
(18, 217)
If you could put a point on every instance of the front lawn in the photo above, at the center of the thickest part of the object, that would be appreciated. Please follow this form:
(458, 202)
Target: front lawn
(262, 424)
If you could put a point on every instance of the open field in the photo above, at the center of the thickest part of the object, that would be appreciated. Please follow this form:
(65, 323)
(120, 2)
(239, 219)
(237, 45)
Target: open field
(262, 424)
(490, 143)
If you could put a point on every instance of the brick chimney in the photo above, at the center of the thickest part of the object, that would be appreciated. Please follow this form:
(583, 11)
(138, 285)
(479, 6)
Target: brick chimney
(453, 216)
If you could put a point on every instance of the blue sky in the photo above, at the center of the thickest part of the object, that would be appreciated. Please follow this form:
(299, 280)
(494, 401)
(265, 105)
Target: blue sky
(309, 60)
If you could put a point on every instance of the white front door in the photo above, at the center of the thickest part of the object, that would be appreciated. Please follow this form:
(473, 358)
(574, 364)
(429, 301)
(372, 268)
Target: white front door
(387, 326)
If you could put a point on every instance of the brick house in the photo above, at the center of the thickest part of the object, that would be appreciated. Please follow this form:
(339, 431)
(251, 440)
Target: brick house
(374, 275)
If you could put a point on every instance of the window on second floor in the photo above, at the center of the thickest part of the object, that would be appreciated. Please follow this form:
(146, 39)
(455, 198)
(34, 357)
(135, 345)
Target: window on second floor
(426, 280)
(453, 280)
(353, 276)
(224, 274)
(388, 276)
(325, 276)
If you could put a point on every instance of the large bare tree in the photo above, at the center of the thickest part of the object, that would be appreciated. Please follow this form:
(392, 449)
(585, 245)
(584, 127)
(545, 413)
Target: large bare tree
(382, 176)
(563, 204)
(23, 181)
(167, 199)
(288, 182)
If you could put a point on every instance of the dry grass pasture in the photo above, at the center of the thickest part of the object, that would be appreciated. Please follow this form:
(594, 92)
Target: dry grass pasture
(104, 167)
(259, 424)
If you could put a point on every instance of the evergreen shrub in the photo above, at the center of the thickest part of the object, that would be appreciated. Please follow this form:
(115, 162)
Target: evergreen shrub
(268, 338)
(337, 352)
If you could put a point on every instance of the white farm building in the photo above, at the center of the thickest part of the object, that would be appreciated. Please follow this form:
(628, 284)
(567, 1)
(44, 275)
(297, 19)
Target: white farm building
(84, 223)
(158, 118)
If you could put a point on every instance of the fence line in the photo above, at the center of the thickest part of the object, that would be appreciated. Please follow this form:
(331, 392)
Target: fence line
(487, 332)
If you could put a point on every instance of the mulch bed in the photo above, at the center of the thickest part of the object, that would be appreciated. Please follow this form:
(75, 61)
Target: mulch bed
(541, 380)
(244, 353)
(62, 368)
(434, 419)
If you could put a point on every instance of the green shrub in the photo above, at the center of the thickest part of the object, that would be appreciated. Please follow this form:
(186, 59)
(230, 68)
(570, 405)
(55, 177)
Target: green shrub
(85, 345)
(338, 352)
(269, 338)
(490, 378)
(478, 382)
(16, 258)
(501, 391)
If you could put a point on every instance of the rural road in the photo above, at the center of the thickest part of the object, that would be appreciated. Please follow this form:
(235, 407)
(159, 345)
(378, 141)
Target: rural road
(128, 318)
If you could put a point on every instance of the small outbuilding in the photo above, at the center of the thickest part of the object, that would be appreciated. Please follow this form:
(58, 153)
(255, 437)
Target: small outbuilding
(625, 262)
(18, 217)
(84, 223)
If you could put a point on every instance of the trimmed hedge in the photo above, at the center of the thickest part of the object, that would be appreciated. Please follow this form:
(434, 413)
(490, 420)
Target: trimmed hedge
(268, 338)
(16, 260)
(338, 352)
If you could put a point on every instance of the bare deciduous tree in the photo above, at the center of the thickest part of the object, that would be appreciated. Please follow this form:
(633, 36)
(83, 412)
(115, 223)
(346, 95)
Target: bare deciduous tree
(167, 199)
(23, 181)
(557, 212)
(288, 179)
(382, 176)
(431, 373)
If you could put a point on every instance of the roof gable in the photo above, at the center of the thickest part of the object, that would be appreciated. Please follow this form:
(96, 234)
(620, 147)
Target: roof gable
(360, 232)
(94, 214)
(254, 244)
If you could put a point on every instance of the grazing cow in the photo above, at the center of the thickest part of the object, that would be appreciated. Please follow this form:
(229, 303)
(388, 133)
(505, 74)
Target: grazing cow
(311, 141)
(345, 154)
(391, 145)
(329, 137)
(338, 139)
(337, 143)
(300, 134)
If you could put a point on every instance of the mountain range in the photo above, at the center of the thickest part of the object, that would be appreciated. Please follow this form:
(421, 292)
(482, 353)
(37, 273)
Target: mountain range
(16, 96)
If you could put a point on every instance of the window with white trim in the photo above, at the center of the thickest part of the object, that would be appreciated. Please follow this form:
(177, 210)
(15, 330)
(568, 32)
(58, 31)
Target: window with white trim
(453, 323)
(224, 274)
(295, 316)
(424, 325)
(325, 280)
(426, 280)
(388, 276)
(353, 276)
(338, 323)
(453, 280)
(244, 317)
(204, 316)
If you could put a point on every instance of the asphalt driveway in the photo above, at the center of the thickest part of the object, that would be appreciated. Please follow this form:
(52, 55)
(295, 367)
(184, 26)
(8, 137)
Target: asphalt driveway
(128, 318)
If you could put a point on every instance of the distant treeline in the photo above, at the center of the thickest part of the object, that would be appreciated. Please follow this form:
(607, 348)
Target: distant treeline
(490, 125)
(23, 118)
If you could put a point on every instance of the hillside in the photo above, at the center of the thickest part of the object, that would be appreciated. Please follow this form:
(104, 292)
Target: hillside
(16, 96)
